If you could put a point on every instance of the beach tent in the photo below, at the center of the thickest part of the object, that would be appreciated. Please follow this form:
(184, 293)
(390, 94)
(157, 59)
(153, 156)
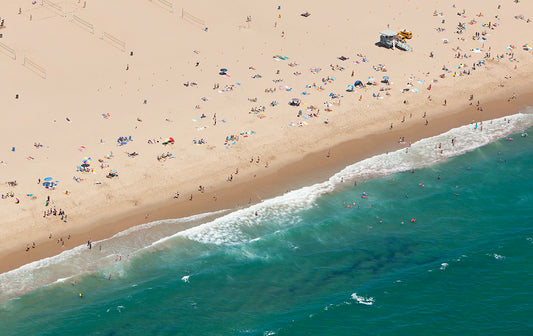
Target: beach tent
(358, 83)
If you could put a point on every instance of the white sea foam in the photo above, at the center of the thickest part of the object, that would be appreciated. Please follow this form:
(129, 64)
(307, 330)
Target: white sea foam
(498, 256)
(363, 300)
(426, 152)
(79, 260)
(156, 223)
(229, 229)
(443, 266)
(61, 280)
(233, 228)
(185, 278)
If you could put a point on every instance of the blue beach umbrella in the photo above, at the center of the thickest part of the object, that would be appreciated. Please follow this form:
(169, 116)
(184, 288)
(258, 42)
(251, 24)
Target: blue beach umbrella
(47, 179)
(386, 77)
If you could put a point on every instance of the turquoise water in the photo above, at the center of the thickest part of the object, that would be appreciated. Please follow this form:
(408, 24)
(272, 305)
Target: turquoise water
(309, 265)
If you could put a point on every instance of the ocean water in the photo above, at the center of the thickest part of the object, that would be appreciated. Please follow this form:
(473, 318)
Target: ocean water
(441, 243)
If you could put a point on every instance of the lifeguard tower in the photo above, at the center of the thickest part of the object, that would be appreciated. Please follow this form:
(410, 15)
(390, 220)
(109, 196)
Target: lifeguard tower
(390, 39)
(387, 38)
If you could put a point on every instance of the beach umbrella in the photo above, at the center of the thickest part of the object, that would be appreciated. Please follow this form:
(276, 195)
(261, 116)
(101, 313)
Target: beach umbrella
(47, 179)
(223, 70)
(371, 79)
(386, 77)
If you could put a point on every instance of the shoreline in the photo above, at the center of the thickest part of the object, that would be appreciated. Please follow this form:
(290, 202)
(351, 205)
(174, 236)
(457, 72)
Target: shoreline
(263, 82)
(313, 167)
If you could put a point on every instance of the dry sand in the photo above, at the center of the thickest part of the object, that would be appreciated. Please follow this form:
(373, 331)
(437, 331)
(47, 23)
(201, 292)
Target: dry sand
(94, 92)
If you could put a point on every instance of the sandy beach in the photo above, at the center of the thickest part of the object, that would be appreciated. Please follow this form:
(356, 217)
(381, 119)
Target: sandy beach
(125, 112)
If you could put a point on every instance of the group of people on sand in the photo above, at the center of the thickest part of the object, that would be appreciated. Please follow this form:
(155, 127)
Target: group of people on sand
(60, 242)
(53, 212)
(465, 69)
(8, 194)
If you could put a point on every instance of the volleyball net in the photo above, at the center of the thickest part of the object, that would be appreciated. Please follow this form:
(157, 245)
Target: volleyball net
(8, 51)
(55, 7)
(186, 16)
(28, 63)
(84, 24)
(165, 4)
(120, 44)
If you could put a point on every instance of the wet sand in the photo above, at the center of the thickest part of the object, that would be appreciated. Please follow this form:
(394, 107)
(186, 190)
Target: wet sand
(312, 168)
